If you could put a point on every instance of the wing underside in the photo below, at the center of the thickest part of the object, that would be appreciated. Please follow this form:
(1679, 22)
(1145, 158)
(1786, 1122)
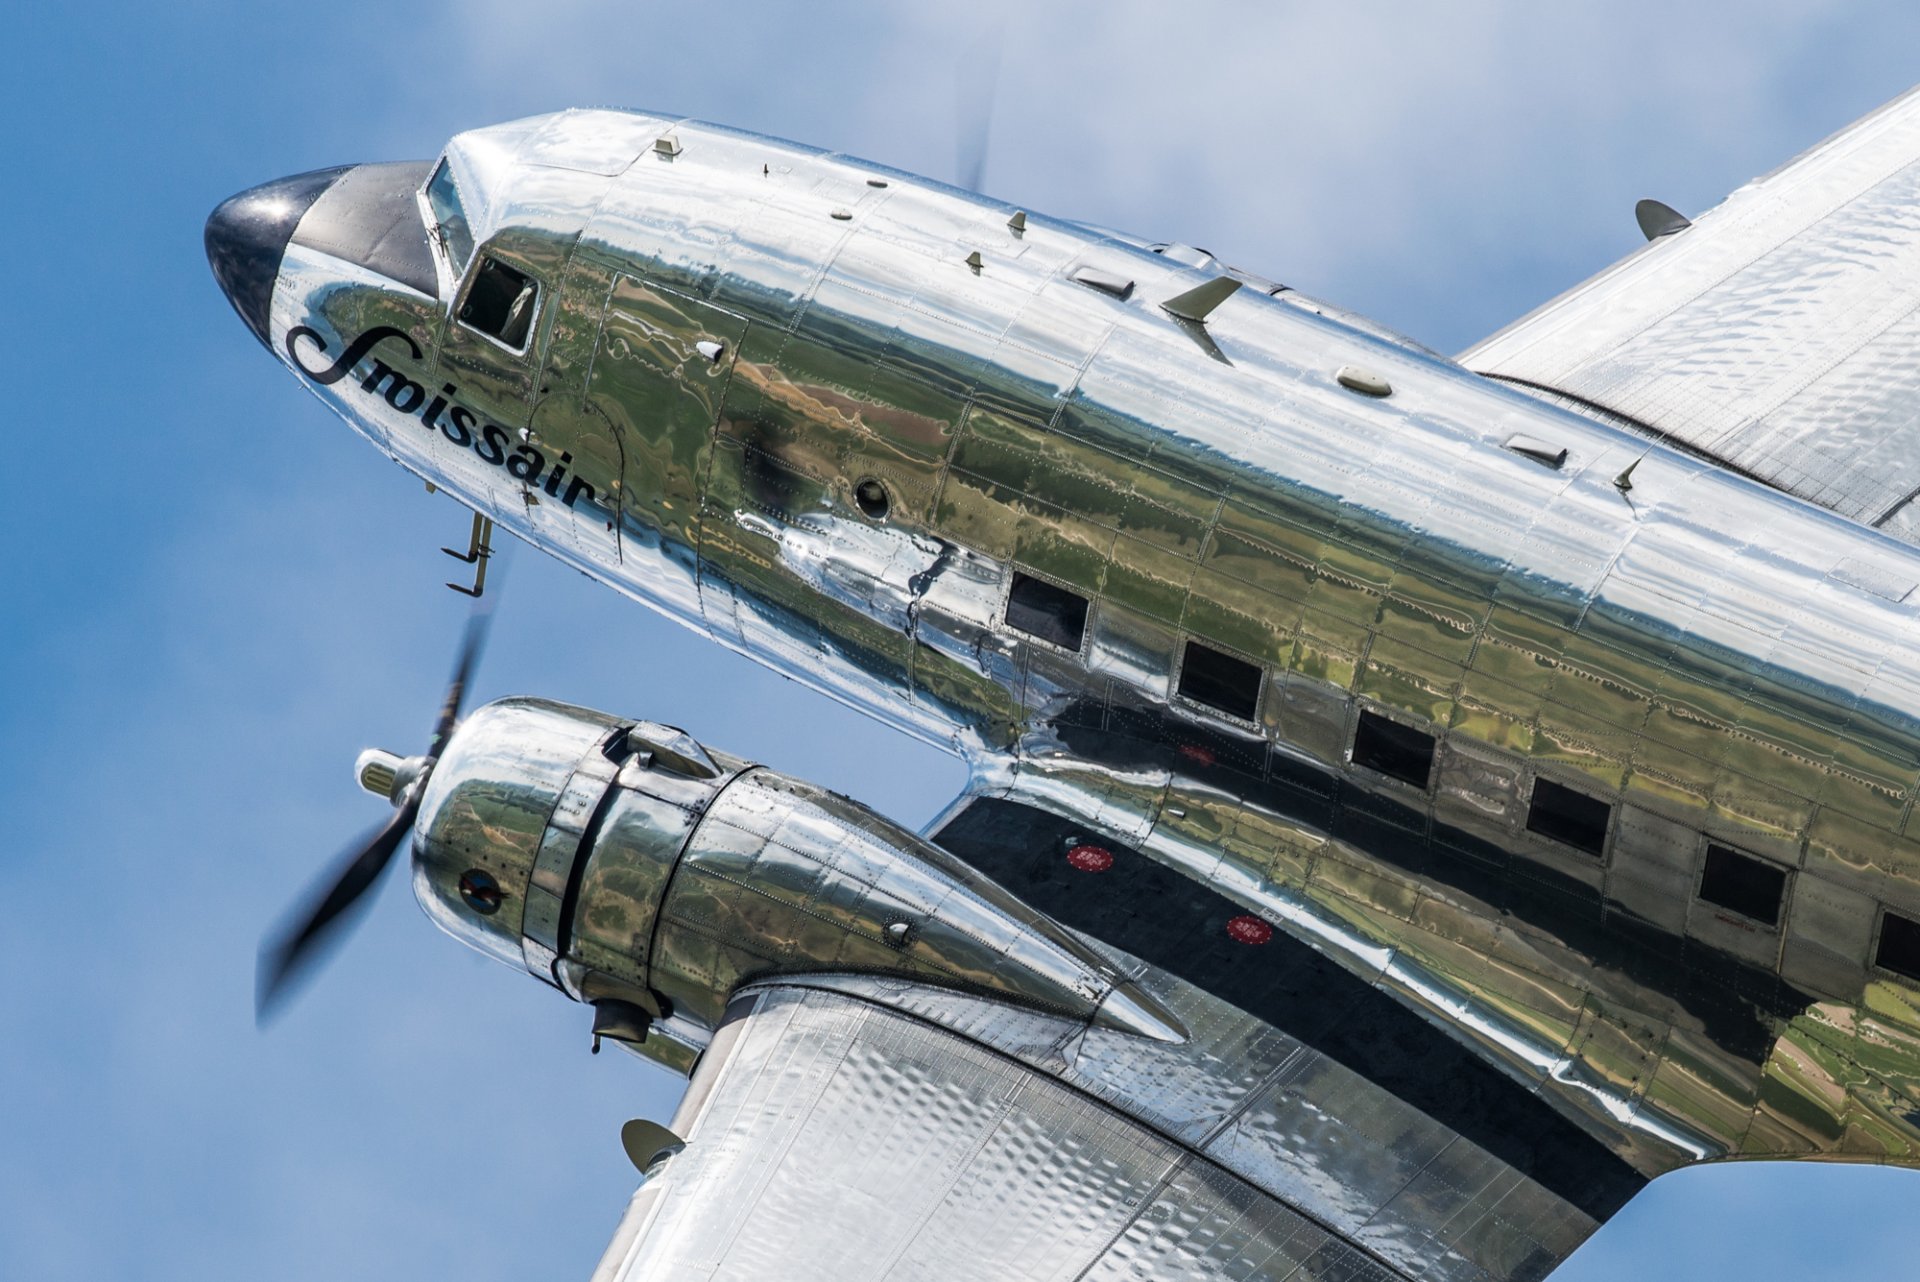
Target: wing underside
(843, 1140)
(1777, 334)
(832, 1137)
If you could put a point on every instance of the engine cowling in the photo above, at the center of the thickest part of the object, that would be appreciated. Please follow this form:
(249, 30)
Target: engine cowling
(630, 866)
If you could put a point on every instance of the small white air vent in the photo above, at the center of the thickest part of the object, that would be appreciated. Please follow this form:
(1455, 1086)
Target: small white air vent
(1364, 381)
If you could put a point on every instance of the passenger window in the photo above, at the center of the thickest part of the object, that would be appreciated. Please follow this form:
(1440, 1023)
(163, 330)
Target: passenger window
(1398, 751)
(1220, 681)
(1743, 884)
(1899, 949)
(1041, 609)
(500, 303)
(1574, 818)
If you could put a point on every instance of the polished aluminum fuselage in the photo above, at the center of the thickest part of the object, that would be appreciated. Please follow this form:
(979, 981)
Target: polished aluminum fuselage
(1713, 660)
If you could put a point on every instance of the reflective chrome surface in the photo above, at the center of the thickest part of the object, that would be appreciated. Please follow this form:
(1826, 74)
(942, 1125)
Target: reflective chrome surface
(1289, 1118)
(488, 806)
(837, 1139)
(1708, 659)
(634, 864)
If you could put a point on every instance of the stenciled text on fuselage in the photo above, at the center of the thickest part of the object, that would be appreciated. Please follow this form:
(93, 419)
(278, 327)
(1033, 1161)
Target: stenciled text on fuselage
(442, 413)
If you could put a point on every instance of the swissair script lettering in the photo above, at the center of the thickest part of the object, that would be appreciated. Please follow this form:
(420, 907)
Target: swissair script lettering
(460, 425)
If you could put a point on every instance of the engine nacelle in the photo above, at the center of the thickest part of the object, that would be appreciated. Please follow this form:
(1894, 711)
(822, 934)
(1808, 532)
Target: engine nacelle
(633, 868)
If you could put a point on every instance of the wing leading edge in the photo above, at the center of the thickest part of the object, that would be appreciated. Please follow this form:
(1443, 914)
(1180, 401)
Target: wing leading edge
(1776, 334)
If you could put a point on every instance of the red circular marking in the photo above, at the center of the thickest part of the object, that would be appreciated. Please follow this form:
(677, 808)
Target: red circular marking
(1194, 752)
(1249, 930)
(1090, 858)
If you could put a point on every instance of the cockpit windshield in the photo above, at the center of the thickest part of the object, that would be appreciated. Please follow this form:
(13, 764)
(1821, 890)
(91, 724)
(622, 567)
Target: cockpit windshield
(449, 219)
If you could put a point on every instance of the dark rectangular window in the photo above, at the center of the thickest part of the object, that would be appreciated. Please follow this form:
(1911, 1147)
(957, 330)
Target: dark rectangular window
(1393, 749)
(1040, 609)
(1220, 681)
(500, 302)
(1559, 812)
(1747, 885)
(1899, 949)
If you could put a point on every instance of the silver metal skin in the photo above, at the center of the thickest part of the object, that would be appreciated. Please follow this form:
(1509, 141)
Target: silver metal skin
(943, 1183)
(489, 805)
(824, 412)
(1712, 337)
(637, 866)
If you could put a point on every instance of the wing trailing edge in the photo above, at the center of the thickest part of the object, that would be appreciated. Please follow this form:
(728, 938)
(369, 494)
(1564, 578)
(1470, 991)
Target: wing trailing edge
(1775, 334)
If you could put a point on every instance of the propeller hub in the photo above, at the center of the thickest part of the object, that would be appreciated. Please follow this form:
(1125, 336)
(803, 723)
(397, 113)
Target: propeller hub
(387, 774)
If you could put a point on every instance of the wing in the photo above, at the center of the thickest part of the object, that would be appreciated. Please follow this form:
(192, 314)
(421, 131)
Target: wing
(833, 1135)
(1776, 334)
(1307, 1126)
(840, 1139)
(1391, 1065)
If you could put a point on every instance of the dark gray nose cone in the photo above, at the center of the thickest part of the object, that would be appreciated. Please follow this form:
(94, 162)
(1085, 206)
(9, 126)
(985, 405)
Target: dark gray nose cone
(247, 237)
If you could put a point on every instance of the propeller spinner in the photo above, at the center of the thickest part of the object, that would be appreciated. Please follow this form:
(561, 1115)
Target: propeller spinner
(308, 929)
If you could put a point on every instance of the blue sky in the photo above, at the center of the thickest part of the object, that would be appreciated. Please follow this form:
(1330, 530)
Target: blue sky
(214, 595)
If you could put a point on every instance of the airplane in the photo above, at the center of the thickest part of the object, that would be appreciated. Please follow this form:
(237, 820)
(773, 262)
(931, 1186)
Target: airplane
(1414, 801)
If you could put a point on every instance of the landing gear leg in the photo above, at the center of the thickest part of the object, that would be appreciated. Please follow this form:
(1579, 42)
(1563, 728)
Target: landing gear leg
(479, 551)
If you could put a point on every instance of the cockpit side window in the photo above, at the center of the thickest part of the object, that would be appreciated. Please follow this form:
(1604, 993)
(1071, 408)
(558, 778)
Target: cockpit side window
(450, 227)
(501, 302)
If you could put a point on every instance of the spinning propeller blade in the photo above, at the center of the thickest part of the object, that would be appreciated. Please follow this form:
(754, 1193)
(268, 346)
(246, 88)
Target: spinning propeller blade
(296, 946)
(976, 84)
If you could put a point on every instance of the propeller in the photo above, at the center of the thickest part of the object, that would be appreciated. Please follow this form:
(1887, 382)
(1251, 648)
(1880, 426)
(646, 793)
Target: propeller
(308, 929)
(976, 84)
